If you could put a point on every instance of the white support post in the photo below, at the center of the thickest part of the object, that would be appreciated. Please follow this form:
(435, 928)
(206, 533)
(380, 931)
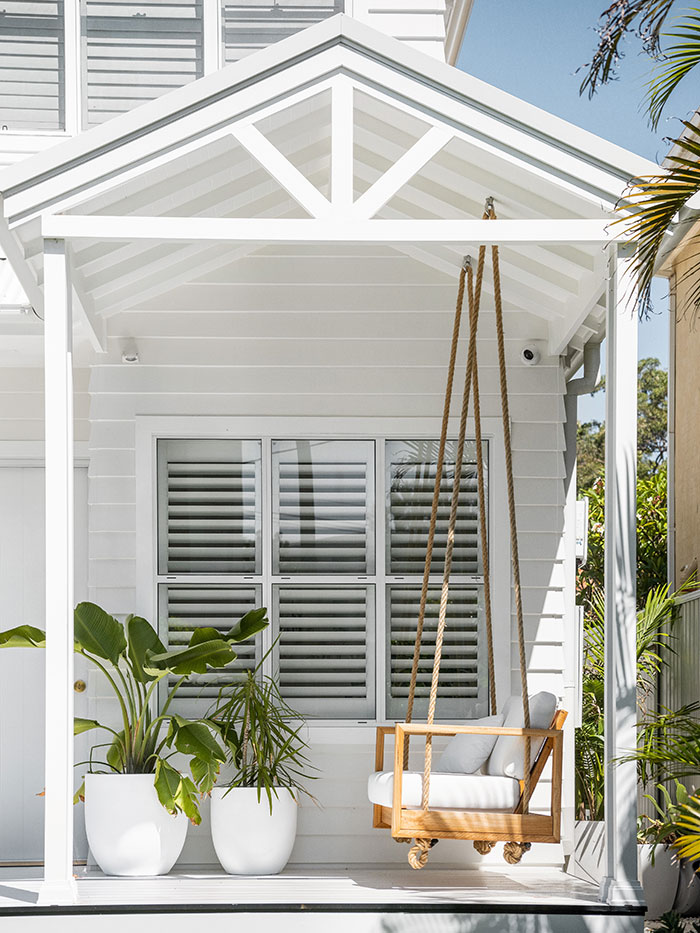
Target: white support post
(620, 884)
(72, 67)
(59, 885)
(212, 44)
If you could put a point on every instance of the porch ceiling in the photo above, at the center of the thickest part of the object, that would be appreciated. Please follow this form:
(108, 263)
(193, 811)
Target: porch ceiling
(338, 123)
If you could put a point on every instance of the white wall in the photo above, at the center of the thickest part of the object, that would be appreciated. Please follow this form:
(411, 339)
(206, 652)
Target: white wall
(334, 365)
(22, 403)
(22, 563)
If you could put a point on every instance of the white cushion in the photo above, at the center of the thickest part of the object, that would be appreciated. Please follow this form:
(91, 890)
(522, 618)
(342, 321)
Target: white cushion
(447, 791)
(507, 755)
(466, 753)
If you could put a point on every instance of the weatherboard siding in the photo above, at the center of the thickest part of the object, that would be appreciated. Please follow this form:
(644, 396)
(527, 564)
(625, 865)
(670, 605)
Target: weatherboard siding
(328, 365)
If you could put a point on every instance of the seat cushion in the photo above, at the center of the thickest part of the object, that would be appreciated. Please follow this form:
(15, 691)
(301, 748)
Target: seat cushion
(507, 756)
(447, 791)
(467, 753)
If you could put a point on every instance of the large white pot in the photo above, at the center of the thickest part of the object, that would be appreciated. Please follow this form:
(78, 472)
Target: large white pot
(660, 880)
(128, 829)
(249, 840)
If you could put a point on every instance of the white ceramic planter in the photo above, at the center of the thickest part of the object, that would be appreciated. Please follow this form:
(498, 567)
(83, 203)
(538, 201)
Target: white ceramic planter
(249, 840)
(660, 880)
(128, 830)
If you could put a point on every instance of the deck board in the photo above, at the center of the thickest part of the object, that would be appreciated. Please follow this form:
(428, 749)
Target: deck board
(516, 887)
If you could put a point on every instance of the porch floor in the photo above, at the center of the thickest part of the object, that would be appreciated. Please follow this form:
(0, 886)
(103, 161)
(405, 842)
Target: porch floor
(517, 890)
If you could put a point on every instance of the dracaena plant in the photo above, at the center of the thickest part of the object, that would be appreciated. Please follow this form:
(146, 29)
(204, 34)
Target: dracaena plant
(134, 662)
(262, 736)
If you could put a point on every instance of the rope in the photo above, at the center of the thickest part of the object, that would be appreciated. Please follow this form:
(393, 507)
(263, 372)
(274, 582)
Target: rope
(511, 510)
(449, 548)
(474, 304)
(436, 498)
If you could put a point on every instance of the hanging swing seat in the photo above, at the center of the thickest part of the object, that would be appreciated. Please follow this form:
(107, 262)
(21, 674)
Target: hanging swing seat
(465, 802)
(480, 806)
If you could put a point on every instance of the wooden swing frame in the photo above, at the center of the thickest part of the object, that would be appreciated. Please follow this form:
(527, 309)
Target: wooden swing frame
(486, 825)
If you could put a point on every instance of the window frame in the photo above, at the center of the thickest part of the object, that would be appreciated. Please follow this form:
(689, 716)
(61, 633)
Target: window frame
(149, 429)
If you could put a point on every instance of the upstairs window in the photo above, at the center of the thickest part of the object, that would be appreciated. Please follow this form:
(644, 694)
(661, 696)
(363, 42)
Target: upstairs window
(294, 524)
(250, 25)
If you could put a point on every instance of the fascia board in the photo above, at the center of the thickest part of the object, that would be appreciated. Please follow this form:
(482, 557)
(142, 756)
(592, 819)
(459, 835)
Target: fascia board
(338, 30)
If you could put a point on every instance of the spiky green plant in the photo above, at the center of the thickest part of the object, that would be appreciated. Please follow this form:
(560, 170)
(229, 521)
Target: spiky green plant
(688, 827)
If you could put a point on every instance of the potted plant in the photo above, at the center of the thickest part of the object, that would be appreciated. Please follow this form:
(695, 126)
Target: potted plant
(254, 812)
(137, 801)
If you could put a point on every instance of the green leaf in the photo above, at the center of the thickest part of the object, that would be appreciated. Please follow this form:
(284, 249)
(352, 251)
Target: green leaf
(79, 796)
(250, 624)
(23, 636)
(115, 754)
(194, 738)
(191, 660)
(204, 772)
(205, 633)
(85, 725)
(176, 792)
(142, 638)
(99, 633)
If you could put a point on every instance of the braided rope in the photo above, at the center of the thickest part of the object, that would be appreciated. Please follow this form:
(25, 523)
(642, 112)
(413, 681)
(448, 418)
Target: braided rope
(474, 305)
(511, 512)
(436, 497)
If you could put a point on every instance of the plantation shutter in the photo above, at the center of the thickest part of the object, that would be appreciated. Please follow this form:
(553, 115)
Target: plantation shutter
(463, 678)
(250, 25)
(325, 652)
(209, 511)
(32, 65)
(411, 469)
(138, 51)
(323, 507)
(184, 608)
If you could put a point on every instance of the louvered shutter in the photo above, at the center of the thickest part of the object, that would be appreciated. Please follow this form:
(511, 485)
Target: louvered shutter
(32, 65)
(323, 507)
(463, 675)
(184, 608)
(138, 51)
(209, 510)
(411, 468)
(254, 24)
(325, 652)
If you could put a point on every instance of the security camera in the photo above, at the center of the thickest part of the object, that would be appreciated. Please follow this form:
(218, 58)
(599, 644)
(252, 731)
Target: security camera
(530, 355)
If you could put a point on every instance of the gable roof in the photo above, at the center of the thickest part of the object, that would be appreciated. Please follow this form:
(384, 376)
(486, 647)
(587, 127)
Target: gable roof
(455, 138)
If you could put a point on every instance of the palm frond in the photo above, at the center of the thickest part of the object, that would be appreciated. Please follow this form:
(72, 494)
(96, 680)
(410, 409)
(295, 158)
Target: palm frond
(679, 60)
(688, 824)
(651, 204)
(642, 18)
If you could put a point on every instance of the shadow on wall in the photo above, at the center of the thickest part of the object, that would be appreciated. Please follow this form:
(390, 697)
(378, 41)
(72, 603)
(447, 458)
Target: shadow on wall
(509, 923)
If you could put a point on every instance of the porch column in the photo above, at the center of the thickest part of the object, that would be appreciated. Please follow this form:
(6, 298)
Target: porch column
(620, 884)
(59, 886)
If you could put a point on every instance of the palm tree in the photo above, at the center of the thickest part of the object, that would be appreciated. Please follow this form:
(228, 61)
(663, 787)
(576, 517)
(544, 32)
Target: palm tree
(652, 204)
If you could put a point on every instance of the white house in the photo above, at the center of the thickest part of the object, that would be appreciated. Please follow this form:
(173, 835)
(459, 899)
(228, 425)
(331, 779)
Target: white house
(259, 268)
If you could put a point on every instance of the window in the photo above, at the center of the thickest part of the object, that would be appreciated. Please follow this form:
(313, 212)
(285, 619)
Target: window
(249, 25)
(330, 535)
(32, 58)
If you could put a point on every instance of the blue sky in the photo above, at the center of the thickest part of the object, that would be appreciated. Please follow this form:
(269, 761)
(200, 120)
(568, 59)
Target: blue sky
(532, 48)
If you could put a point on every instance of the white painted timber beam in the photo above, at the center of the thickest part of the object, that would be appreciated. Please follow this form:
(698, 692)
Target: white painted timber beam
(92, 325)
(282, 170)
(620, 884)
(58, 886)
(342, 144)
(189, 229)
(401, 172)
(578, 309)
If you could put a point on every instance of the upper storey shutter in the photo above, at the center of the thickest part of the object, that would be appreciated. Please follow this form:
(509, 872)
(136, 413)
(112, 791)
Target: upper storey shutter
(250, 25)
(32, 67)
(138, 51)
(323, 507)
(411, 468)
(209, 506)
